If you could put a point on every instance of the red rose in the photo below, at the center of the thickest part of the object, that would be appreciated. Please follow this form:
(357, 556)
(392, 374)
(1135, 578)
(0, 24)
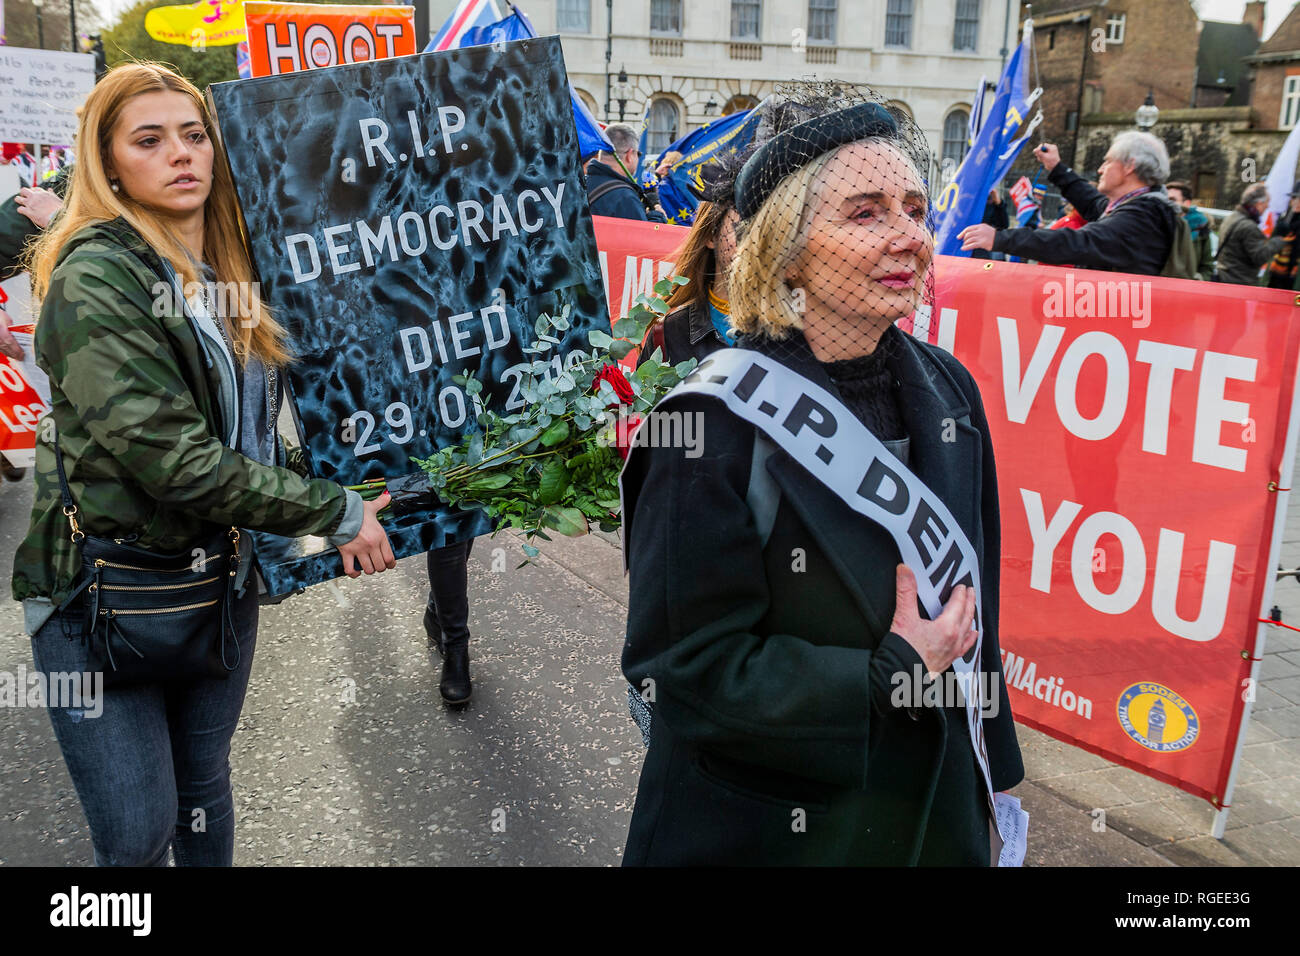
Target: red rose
(618, 382)
(623, 434)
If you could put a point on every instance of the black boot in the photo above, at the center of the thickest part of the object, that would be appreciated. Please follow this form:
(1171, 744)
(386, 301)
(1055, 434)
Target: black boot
(455, 687)
(432, 629)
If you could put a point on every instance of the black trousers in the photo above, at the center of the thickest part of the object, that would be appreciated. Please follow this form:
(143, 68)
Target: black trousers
(449, 590)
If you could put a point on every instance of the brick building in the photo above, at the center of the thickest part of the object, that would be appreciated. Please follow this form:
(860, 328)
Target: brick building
(1106, 56)
(1276, 64)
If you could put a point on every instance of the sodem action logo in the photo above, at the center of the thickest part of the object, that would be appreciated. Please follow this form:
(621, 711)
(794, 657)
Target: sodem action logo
(1157, 718)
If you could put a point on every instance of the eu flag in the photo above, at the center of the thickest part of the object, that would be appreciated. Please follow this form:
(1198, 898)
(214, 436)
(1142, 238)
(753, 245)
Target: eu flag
(995, 148)
(681, 189)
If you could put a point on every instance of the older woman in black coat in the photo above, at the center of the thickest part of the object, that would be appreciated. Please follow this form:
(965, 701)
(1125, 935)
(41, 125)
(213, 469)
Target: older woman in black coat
(772, 627)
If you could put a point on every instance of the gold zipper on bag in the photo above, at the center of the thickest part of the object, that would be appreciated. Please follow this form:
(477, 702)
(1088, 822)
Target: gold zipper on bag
(154, 587)
(101, 563)
(114, 612)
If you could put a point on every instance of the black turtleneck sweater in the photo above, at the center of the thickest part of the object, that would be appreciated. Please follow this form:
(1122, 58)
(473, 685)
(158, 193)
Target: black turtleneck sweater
(869, 390)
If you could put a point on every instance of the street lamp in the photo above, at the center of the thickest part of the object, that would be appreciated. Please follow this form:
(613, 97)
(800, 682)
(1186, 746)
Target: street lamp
(711, 106)
(622, 92)
(40, 24)
(1147, 112)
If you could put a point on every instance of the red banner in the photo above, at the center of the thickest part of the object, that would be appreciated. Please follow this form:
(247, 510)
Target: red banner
(291, 37)
(1141, 428)
(634, 256)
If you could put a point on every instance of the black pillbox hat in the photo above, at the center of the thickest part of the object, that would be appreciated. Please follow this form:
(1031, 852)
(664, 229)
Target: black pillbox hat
(800, 145)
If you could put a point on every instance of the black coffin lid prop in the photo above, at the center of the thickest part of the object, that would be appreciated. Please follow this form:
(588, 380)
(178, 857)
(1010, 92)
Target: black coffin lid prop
(409, 219)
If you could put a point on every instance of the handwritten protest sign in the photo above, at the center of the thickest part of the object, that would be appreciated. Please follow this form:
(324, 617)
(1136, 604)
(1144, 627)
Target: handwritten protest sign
(40, 91)
(409, 220)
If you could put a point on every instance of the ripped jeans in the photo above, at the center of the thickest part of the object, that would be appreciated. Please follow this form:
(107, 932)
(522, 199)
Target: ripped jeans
(152, 770)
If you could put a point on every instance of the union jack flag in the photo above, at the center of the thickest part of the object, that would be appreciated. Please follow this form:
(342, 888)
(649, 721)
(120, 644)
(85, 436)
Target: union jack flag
(467, 15)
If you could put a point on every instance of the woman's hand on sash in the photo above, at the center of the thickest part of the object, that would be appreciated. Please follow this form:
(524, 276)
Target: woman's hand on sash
(370, 548)
(947, 637)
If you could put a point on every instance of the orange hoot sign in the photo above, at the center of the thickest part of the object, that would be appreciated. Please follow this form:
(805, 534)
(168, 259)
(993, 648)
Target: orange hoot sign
(291, 37)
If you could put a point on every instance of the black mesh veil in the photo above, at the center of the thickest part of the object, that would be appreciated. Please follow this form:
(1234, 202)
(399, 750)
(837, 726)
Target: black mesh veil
(834, 239)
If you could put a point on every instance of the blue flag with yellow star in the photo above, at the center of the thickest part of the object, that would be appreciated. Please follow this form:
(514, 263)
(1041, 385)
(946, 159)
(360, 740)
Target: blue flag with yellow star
(680, 190)
(1006, 128)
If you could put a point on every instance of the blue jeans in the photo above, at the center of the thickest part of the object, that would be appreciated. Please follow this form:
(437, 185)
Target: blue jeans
(152, 771)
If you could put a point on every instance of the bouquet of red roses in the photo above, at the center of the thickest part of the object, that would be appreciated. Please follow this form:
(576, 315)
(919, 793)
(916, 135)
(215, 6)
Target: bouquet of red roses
(555, 464)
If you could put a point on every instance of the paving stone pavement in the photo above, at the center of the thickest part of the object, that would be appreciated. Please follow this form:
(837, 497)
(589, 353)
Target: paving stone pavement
(345, 754)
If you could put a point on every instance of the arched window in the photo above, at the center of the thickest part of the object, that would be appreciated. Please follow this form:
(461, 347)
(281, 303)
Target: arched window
(663, 123)
(740, 101)
(955, 133)
(587, 100)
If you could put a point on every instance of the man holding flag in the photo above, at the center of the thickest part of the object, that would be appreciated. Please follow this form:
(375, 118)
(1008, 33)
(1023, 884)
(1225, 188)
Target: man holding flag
(1132, 222)
(610, 190)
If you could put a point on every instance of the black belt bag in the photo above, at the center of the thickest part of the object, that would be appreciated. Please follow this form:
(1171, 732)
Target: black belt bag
(153, 617)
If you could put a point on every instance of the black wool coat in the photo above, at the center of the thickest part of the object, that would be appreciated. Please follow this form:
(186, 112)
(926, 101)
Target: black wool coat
(775, 740)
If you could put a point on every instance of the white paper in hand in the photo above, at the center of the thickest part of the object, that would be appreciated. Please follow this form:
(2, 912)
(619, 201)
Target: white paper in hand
(1013, 824)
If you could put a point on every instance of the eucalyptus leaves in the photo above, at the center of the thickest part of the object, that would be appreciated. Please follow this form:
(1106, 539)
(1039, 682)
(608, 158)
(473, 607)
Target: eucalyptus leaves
(555, 464)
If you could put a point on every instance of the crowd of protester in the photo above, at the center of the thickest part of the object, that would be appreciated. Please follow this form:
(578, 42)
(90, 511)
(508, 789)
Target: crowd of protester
(1135, 219)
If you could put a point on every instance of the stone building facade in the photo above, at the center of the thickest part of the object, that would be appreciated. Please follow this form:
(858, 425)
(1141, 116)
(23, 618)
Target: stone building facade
(689, 63)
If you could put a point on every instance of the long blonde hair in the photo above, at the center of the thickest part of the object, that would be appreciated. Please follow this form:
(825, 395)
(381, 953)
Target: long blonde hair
(91, 201)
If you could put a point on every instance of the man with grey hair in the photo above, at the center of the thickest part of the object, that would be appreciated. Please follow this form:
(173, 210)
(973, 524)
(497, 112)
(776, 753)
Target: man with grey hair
(1243, 249)
(1131, 221)
(610, 188)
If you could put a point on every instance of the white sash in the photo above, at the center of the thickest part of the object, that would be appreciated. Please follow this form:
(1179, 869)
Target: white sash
(815, 429)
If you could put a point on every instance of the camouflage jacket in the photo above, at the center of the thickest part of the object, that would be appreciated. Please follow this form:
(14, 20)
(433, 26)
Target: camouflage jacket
(139, 409)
